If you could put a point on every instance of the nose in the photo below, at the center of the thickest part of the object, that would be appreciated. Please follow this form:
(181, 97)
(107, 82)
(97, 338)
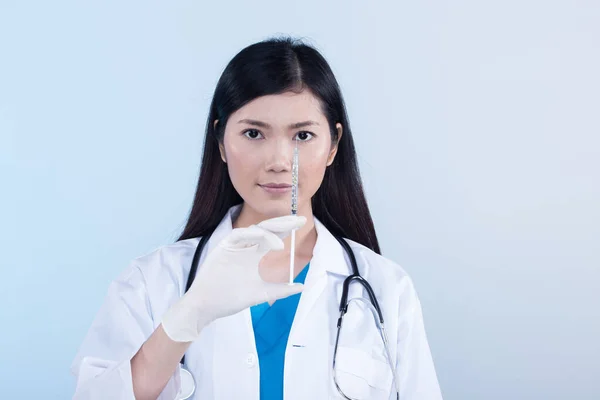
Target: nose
(279, 155)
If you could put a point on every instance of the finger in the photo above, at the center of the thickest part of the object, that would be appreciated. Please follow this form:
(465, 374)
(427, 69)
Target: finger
(242, 238)
(276, 291)
(283, 226)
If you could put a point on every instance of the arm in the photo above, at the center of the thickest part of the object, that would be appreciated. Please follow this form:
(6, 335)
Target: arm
(154, 364)
(114, 362)
(123, 357)
(416, 372)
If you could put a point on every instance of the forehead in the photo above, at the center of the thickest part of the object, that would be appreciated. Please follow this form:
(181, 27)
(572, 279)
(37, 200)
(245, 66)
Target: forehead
(282, 109)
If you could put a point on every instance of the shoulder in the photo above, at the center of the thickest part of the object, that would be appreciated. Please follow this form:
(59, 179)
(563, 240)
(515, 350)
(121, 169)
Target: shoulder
(382, 273)
(392, 285)
(376, 263)
(158, 277)
(167, 263)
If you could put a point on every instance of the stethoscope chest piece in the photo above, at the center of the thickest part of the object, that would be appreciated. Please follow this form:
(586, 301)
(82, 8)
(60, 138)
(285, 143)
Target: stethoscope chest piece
(188, 386)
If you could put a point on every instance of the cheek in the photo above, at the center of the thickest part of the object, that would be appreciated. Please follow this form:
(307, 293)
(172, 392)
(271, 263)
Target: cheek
(241, 164)
(311, 174)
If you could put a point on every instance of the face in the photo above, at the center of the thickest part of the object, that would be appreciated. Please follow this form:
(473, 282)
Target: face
(258, 147)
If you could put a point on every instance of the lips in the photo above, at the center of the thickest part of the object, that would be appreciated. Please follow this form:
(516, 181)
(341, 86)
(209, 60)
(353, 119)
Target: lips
(276, 185)
(277, 188)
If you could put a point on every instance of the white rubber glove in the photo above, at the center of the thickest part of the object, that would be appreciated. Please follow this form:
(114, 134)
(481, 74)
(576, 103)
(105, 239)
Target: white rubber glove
(228, 281)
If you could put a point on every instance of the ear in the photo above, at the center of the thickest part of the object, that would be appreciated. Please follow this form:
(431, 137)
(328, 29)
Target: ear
(334, 147)
(222, 151)
(221, 147)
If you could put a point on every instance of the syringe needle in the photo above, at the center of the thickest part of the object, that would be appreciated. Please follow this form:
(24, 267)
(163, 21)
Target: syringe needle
(294, 209)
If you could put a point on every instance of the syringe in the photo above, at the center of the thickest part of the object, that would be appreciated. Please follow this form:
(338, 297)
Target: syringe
(294, 208)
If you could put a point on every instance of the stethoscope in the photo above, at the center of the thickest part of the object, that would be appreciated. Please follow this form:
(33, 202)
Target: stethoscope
(188, 385)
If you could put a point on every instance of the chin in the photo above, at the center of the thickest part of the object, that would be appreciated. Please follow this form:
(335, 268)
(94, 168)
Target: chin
(272, 208)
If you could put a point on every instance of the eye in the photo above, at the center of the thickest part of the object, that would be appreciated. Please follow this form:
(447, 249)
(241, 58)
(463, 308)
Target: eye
(304, 136)
(252, 134)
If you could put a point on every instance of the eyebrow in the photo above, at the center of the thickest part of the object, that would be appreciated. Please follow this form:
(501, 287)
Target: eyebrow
(262, 124)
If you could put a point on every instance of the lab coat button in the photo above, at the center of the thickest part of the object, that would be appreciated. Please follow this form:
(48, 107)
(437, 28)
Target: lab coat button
(251, 360)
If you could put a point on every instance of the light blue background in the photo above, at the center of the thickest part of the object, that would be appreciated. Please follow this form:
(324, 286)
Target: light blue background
(477, 127)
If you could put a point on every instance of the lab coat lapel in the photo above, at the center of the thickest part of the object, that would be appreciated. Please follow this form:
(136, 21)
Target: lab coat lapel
(308, 353)
(328, 256)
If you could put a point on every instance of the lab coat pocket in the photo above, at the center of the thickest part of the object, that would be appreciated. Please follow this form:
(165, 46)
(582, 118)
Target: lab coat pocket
(361, 376)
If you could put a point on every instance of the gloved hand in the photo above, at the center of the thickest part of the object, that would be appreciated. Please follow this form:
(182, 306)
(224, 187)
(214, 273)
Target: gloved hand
(228, 280)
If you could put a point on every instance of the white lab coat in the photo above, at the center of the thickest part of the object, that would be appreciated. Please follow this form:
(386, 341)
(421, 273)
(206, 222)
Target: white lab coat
(224, 360)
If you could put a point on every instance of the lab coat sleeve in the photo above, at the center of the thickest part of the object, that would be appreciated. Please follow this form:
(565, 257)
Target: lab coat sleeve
(416, 372)
(124, 322)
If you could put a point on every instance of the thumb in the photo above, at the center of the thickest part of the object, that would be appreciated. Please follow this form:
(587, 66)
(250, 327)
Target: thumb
(276, 291)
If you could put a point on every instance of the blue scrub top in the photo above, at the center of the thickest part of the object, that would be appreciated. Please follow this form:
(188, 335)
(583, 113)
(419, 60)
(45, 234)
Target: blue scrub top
(272, 326)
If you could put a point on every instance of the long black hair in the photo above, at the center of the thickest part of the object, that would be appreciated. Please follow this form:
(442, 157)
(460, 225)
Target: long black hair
(271, 67)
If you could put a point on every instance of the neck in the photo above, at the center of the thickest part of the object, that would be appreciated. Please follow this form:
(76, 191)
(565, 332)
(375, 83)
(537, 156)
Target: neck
(305, 236)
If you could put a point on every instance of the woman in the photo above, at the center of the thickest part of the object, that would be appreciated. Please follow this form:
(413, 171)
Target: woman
(245, 332)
